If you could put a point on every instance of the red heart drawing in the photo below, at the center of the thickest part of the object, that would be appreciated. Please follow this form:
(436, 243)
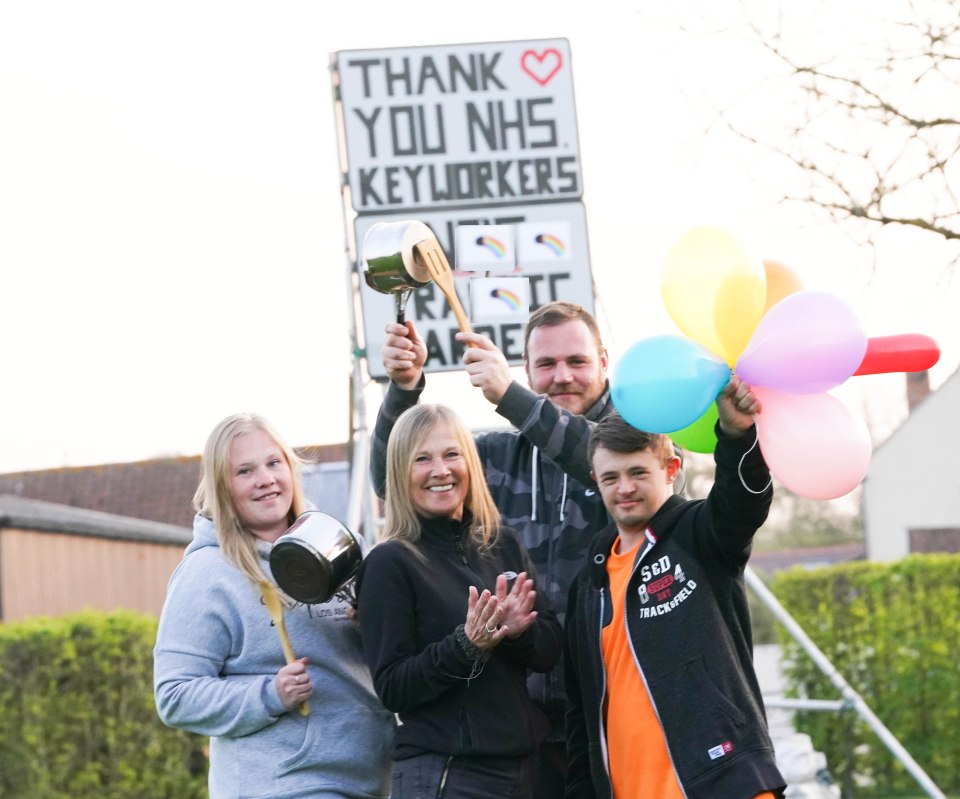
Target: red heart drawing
(541, 66)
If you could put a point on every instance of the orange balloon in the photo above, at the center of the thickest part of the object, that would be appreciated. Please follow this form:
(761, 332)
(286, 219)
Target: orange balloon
(781, 282)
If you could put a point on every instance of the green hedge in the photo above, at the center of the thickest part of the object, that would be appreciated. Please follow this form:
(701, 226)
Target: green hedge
(893, 632)
(77, 718)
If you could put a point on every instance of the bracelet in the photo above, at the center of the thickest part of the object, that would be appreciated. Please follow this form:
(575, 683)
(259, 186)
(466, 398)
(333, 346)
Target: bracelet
(470, 649)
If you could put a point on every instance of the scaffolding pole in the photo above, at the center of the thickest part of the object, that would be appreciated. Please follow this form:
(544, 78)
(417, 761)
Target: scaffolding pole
(359, 510)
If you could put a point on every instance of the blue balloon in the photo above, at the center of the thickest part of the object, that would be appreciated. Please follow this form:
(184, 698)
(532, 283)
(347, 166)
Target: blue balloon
(665, 383)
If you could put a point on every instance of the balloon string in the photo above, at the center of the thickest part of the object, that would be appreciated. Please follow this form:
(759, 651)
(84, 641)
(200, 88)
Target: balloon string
(743, 482)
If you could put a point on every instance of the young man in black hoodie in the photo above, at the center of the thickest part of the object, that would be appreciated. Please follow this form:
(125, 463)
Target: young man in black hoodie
(663, 700)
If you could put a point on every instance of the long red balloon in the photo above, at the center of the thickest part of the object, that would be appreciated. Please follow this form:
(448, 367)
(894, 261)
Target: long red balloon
(909, 352)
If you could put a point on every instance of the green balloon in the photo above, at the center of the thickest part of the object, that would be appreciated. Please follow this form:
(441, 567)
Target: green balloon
(699, 436)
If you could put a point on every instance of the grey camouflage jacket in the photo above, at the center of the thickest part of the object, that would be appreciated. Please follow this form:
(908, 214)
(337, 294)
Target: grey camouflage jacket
(539, 476)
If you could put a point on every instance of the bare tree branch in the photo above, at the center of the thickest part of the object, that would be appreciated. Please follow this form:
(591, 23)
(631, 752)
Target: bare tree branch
(878, 135)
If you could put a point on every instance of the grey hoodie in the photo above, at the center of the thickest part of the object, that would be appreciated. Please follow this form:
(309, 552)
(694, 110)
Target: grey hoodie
(215, 661)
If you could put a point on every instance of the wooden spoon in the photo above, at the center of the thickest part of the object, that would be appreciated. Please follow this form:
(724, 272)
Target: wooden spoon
(275, 609)
(433, 257)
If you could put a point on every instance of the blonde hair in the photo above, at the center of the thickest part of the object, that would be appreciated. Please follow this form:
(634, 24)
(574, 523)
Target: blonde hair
(406, 439)
(212, 498)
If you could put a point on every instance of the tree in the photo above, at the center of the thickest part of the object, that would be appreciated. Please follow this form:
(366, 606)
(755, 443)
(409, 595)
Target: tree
(875, 133)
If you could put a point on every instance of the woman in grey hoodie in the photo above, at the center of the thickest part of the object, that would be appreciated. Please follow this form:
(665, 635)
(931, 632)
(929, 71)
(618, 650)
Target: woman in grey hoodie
(219, 669)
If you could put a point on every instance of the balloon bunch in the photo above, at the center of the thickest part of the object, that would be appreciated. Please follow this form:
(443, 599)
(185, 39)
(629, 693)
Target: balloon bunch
(792, 346)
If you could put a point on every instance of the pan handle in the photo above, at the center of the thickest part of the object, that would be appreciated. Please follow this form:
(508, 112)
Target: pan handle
(401, 299)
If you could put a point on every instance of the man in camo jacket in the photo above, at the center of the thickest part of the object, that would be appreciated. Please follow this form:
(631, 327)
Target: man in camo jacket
(539, 473)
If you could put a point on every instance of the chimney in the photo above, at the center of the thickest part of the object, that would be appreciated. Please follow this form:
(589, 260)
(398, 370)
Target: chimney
(918, 387)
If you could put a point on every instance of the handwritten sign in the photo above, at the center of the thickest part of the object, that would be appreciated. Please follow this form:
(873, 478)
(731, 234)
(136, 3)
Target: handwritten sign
(557, 272)
(457, 125)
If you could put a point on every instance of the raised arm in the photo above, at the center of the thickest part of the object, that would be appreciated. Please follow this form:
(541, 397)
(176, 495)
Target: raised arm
(561, 436)
(404, 355)
(740, 499)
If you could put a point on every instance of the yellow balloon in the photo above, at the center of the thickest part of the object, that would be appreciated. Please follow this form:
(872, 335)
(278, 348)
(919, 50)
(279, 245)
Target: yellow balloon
(781, 282)
(714, 290)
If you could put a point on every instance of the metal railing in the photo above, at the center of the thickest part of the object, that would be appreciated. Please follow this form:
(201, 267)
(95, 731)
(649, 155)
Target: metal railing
(851, 700)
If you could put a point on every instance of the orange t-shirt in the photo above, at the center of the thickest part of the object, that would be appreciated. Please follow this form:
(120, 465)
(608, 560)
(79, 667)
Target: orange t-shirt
(640, 766)
(637, 750)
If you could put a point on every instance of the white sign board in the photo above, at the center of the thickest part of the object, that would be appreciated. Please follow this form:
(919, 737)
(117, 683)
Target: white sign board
(458, 125)
(558, 270)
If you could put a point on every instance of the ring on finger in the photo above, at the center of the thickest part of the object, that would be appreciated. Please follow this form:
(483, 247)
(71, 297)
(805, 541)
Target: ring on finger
(490, 630)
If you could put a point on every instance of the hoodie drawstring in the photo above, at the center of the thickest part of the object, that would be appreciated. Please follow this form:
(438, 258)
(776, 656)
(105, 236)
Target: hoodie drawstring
(533, 493)
(563, 498)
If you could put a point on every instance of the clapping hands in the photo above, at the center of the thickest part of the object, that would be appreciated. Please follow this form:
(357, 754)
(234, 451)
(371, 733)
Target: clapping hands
(516, 607)
(505, 614)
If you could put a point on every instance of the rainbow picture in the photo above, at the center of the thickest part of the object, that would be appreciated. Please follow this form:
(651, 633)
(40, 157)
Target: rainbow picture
(552, 242)
(494, 245)
(499, 298)
(510, 298)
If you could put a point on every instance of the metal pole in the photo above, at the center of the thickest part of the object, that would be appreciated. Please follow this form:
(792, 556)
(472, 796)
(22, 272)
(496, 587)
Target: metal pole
(807, 704)
(851, 697)
(360, 510)
(360, 460)
(360, 504)
(359, 437)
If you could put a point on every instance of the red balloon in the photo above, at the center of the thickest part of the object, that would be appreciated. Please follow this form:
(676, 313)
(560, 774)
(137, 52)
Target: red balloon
(910, 352)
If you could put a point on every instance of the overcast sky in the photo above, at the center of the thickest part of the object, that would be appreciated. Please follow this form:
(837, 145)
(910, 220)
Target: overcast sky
(171, 232)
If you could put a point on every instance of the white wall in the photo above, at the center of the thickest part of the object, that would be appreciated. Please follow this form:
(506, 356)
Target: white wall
(914, 478)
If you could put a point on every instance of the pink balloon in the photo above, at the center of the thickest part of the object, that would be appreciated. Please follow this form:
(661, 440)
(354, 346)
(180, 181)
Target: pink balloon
(807, 343)
(812, 443)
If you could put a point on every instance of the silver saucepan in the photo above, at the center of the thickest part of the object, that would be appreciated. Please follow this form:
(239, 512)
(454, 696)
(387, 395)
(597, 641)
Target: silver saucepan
(402, 256)
(315, 558)
(393, 264)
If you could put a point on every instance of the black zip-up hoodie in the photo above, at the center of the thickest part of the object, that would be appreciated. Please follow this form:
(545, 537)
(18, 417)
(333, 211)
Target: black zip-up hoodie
(539, 478)
(689, 626)
(409, 609)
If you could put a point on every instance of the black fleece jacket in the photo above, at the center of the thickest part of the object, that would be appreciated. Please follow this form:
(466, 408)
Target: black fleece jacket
(688, 623)
(410, 603)
(539, 477)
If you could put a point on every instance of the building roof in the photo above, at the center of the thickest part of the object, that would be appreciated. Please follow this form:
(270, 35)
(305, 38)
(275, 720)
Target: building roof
(937, 404)
(35, 514)
(158, 490)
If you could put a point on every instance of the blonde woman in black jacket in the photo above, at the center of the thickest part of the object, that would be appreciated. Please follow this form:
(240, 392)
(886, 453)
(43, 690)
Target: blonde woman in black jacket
(450, 621)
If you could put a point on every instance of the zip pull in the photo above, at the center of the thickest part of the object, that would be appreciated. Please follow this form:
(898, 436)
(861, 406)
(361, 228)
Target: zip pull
(463, 555)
